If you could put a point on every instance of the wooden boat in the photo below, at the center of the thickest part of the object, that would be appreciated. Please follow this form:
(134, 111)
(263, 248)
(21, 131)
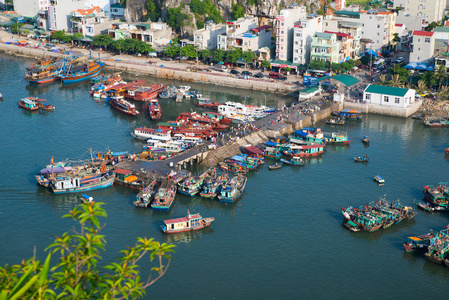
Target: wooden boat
(351, 225)
(220, 117)
(232, 166)
(378, 179)
(124, 106)
(272, 153)
(367, 220)
(130, 179)
(63, 185)
(86, 198)
(349, 114)
(294, 161)
(233, 189)
(1, 96)
(165, 196)
(337, 138)
(154, 110)
(144, 133)
(417, 117)
(200, 120)
(212, 187)
(419, 243)
(275, 166)
(435, 123)
(429, 207)
(335, 121)
(44, 71)
(206, 102)
(145, 196)
(446, 150)
(192, 185)
(365, 139)
(438, 249)
(81, 73)
(144, 93)
(41, 105)
(304, 150)
(28, 104)
(361, 158)
(187, 223)
(437, 196)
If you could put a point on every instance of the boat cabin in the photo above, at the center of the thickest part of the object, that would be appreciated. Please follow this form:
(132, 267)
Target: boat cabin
(151, 133)
(182, 224)
(124, 175)
(29, 104)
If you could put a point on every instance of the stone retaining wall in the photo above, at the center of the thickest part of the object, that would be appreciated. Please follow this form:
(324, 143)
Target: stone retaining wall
(384, 110)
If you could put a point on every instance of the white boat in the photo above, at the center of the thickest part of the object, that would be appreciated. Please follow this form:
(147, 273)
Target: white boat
(144, 133)
(170, 146)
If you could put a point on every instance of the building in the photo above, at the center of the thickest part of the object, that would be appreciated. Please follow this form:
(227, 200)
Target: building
(59, 13)
(441, 33)
(378, 26)
(121, 30)
(325, 47)
(90, 22)
(207, 37)
(253, 39)
(348, 35)
(403, 35)
(117, 11)
(417, 14)
(29, 8)
(284, 28)
(389, 96)
(153, 33)
(235, 29)
(423, 46)
(338, 4)
(303, 32)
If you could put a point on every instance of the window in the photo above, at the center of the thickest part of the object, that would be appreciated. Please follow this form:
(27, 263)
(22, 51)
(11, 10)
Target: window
(282, 40)
(282, 31)
(282, 24)
(296, 43)
(396, 100)
(378, 26)
(385, 98)
(427, 40)
(367, 96)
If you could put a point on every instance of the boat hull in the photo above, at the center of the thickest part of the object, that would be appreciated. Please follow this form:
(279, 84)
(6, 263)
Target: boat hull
(81, 77)
(100, 185)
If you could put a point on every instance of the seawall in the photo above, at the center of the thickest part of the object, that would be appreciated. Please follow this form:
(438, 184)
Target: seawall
(384, 110)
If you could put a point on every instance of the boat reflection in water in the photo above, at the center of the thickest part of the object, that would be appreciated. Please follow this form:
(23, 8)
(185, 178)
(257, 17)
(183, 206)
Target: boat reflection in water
(186, 237)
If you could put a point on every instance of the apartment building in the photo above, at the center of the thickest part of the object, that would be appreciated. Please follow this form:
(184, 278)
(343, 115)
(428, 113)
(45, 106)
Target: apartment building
(325, 47)
(303, 32)
(153, 33)
(349, 36)
(90, 22)
(235, 29)
(284, 28)
(207, 37)
(28, 8)
(423, 46)
(417, 14)
(253, 39)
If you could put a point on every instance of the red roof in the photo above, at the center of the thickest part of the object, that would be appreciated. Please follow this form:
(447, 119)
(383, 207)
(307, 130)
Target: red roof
(122, 171)
(253, 150)
(84, 12)
(119, 86)
(258, 29)
(184, 219)
(308, 146)
(422, 33)
(398, 25)
(339, 33)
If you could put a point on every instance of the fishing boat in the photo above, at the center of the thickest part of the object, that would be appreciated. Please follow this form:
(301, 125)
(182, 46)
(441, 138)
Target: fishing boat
(272, 153)
(187, 223)
(168, 92)
(124, 106)
(44, 71)
(427, 206)
(130, 179)
(144, 93)
(63, 185)
(417, 117)
(435, 123)
(366, 219)
(145, 196)
(437, 196)
(437, 251)
(275, 166)
(351, 225)
(40, 104)
(169, 146)
(304, 150)
(337, 138)
(294, 161)
(207, 103)
(233, 189)
(216, 116)
(335, 121)
(86, 198)
(154, 110)
(1, 96)
(192, 185)
(144, 133)
(446, 150)
(349, 114)
(379, 179)
(28, 104)
(212, 187)
(232, 166)
(365, 139)
(165, 196)
(419, 243)
(361, 158)
(80, 73)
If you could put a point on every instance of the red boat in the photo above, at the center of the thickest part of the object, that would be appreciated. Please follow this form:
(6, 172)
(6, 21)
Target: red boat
(217, 116)
(145, 93)
(446, 150)
(154, 110)
(196, 118)
(206, 102)
(124, 107)
(28, 104)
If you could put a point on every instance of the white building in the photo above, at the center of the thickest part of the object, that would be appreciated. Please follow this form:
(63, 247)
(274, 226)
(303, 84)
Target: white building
(235, 29)
(303, 33)
(416, 14)
(253, 39)
(389, 96)
(441, 33)
(378, 26)
(90, 22)
(153, 33)
(284, 28)
(423, 46)
(206, 38)
(403, 36)
(117, 11)
(30, 8)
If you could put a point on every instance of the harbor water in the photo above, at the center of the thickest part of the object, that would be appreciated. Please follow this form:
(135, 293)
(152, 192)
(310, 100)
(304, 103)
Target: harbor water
(283, 239)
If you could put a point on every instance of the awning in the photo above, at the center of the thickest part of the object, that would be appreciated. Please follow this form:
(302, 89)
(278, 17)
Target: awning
(86, 39)
(371, 52)
(422, 66)
(7, 23)
(347, 80)
(411, 65)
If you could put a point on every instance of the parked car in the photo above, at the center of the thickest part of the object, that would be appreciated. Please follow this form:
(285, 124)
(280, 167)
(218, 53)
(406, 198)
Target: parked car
(235, 72)
(399, 60)
(258, 75)
(247, 73)
(274, 75)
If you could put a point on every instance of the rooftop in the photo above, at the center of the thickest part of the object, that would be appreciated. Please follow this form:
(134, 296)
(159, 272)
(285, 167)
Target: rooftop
(260, 28)
(342, 13)
(386, 90)
(441, 29)
(422, 33)
(323, 35)
(398, 25)
(85, 12)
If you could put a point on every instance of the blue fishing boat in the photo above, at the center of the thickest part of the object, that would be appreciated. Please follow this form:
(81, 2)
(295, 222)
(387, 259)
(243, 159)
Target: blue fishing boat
(233, 189)
(213, 187)
(192, 185)
(337, 138)
(80, 73)
(294, 161)
(272, 153)
(64, 185)
(165, 196)
(349, 114)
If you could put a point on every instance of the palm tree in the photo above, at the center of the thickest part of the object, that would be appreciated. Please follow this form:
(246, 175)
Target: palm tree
(422, 86)
(395, 80)
(382, 79)
(443, 93)
(440, 75)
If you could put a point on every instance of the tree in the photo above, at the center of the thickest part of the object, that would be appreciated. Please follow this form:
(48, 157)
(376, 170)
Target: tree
(16, 29)
(77, 36)
(443, 93)
(265, 64)
(76, 273)
(204, 53)
(367, 59)
(318, 65)
(382, 79)
(142, 47)
(237, 11)
(67, 38)
(103, 40)
(176, 18)
(440, 75)
(402, 72)
(422, 86)
(172, 50)
(153, 8)
(233, 55)
(395, 80)
(337, 67)
(218, 55)
(189, 51)
(58, 35)
(248, 56)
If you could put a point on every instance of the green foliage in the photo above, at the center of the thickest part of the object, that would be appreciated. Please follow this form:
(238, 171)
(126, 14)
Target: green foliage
(233, 55)
(142, 47)
(77, 36)
(204, 53)
(396, 37)
(176, 18)
(172, 51)
(403, 73)
(76, 274)
(431, 26)
(366, 59)
(153, 8)
(440, 76)
(237, 11)
(58, 35)
(102, 40)
(205, 11)
(265, 64)
(67, 38)
(248, 56)
(319, 65)
(189, 51)
(218, 55)
(337, 68)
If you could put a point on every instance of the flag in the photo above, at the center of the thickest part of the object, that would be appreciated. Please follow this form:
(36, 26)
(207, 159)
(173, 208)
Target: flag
(51, 161)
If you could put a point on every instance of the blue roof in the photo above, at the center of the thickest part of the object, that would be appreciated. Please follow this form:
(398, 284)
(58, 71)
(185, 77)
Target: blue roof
(300, 133)
(268, 143)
